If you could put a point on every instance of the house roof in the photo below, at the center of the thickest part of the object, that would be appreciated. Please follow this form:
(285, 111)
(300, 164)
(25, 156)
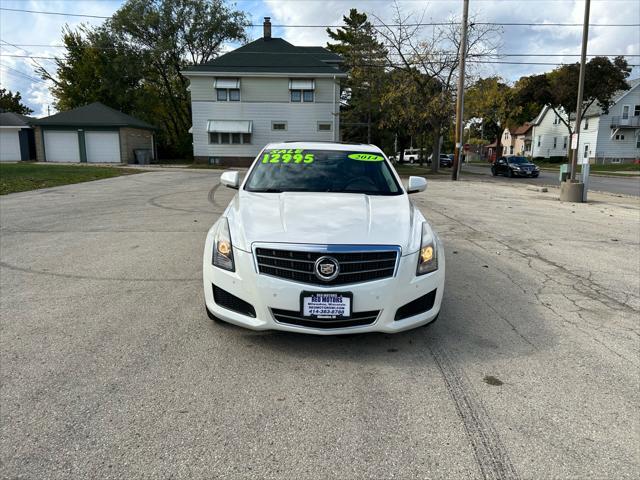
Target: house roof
(523, 129)
(272, 55)
(594, 109)
(93, 115)
(12, 119)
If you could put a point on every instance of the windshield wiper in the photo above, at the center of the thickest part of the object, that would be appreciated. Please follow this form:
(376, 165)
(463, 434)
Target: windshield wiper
(265, 190)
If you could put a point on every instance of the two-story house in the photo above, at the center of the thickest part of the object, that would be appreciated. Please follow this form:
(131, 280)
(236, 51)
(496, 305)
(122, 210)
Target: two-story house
(266, 91)
(523, 139)
(549, 135)
(613, 137)
(507, 141)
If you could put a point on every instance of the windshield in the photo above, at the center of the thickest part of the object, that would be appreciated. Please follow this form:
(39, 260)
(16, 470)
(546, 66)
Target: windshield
(300, 170)
(518, 160)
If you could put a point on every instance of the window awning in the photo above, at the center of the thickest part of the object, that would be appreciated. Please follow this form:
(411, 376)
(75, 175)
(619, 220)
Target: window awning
(302, 84)
(227, 83)
(230, 126)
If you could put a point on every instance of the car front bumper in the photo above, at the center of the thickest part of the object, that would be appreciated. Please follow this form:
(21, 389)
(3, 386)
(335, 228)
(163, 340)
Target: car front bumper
(266, 294)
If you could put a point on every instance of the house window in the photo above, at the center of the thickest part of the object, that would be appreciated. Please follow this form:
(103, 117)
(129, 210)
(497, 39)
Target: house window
(539, 139)
(616, 160)
(586, 124)
(555, 142)
(324, 127)
(636, 111)
(564, 143)
(637, 141)
(586, 152)
(619, 136)
(228, 94)
(625, 112)
(302, 96)
(278, 126)
(511, 150)
(226, 138)
(556, 120)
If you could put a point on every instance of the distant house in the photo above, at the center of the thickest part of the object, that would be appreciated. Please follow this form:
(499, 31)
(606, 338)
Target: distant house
(93, 133)
(507, 141)
(16, 137)
(266, 91)
(604, 138)
(549, 135)
(613, 137)
(523, 139)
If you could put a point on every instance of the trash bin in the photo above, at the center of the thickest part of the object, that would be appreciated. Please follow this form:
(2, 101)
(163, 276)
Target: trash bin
(143, 156)
(565, 171)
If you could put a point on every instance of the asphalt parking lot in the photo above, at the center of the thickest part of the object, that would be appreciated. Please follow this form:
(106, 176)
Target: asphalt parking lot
(110, 368)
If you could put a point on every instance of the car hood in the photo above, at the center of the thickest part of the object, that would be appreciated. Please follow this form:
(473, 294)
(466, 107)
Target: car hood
(527, 165)
(324, 218)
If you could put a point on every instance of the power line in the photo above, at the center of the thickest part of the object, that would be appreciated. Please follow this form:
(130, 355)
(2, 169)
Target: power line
(421, 24)
(374, 65)
(26, 56)
(21, 73)
(44, 45)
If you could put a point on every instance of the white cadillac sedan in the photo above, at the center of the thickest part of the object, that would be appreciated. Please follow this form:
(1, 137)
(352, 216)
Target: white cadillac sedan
(322, 238)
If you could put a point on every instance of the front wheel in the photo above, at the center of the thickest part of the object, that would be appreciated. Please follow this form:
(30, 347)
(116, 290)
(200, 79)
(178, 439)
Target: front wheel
(411, 160)
(493, 172)
(510, 174)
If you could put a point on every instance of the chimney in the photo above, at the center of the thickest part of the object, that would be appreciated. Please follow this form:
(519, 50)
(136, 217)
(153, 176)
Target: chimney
(267, 28)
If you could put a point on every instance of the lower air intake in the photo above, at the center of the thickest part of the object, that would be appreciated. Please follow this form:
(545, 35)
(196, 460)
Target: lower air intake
(231, 302)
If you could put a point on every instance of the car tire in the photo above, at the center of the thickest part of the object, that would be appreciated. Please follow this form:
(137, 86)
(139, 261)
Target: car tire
(411, 160)
(493, 172)
(535, 175)
(510, 173)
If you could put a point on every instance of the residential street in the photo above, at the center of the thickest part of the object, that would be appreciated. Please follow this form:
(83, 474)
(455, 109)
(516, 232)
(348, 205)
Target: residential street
(110, 367)
(598, 183)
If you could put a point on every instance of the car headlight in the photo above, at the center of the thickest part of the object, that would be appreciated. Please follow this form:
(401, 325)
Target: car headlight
(222, 246)
(428, 257)
(515, 167)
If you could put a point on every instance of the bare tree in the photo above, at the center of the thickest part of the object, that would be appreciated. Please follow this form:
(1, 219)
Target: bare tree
(430, 60)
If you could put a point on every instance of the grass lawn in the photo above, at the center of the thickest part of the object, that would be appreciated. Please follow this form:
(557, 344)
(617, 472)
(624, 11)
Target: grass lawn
(614, 167)
(20, 177)
(417, 170)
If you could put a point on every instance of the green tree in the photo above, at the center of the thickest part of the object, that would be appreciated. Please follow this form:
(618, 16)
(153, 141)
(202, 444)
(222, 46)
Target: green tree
(12, 102)
(134, 61)
(364, 60)
(488, 100)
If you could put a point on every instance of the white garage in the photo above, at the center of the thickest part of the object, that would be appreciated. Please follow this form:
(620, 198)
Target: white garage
(102, 147)
(61, 146)
(95, 134)
(9, 144)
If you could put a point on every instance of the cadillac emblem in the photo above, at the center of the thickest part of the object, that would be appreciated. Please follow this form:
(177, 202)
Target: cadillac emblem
(327, 268)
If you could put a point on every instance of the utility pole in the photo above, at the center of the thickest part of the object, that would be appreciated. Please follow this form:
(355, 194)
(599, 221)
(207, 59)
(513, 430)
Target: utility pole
(573, 191)
(583, 59)
(457, 154)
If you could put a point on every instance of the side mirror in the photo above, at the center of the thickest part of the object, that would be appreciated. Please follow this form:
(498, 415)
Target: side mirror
(416, 184)
(230, 179)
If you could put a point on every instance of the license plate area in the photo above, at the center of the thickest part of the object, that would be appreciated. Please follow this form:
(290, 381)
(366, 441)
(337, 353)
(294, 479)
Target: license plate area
(326, 305)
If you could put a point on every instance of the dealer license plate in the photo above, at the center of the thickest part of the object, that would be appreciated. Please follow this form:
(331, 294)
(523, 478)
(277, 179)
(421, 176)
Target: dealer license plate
(326, 305)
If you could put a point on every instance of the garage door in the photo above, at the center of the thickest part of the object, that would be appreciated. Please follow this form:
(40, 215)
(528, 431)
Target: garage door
(9, 145)
(102, 147)
(61, 146)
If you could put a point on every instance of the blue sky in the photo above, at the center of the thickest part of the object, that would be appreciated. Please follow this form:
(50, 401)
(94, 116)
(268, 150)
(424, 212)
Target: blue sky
(29, 28)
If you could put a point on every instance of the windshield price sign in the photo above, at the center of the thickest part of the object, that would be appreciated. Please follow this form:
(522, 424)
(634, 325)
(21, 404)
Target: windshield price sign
(287, 156)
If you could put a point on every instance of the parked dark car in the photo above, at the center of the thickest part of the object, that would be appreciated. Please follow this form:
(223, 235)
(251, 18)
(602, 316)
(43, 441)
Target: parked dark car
(445, 160)
(514, 167)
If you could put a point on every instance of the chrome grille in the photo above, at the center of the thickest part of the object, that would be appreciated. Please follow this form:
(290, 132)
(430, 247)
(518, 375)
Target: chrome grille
(355, 266)
(357, 319)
